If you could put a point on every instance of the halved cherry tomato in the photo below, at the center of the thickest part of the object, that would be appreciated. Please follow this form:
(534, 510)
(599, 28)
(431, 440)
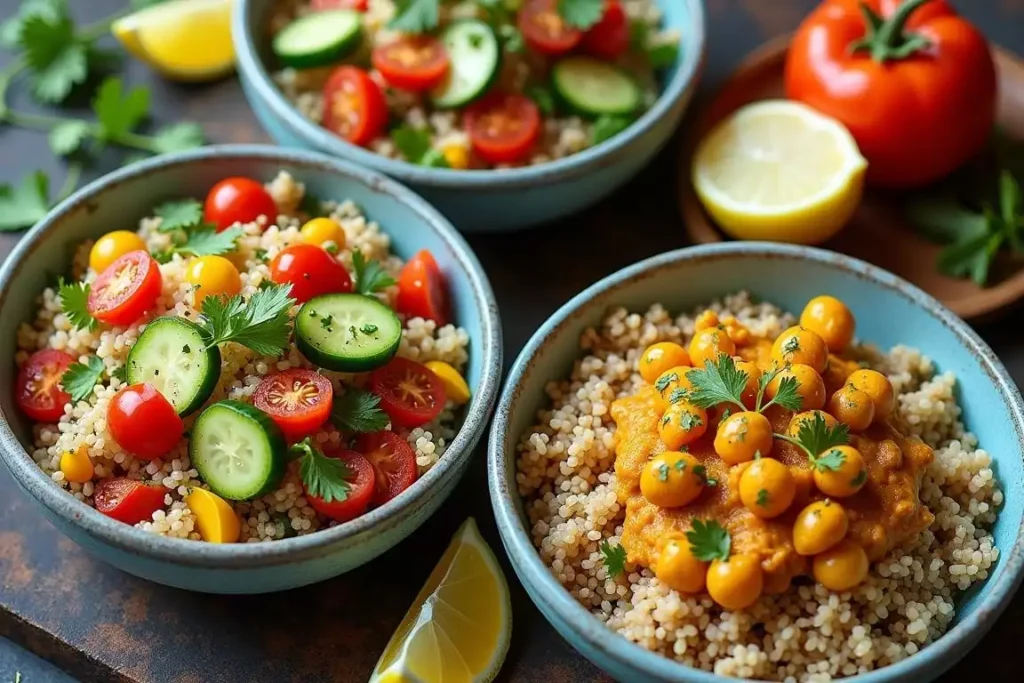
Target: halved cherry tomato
(393, 461)
(609, 37)
(298, 400)
(39, 394)
(410, 393)
(311, 272)
(358, 5)
(126, 290)
(503, 128)
(354, 106)
(544, 29)
(143, 422)
(362, 483)
(414, 63)
(421, 289)
(238, 200)
(128, 500)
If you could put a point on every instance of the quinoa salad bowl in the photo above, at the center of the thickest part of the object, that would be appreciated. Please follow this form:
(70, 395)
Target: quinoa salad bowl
(472, 102)
(665, 461)
(243, 369)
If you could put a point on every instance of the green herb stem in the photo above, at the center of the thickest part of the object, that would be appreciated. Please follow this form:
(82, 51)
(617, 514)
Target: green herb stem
(795, 442)
(74, 174)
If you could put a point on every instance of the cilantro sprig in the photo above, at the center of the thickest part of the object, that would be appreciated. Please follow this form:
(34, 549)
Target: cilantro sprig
(716, 383)
(262, 323)
(819, 440)
(358, 411)
(74, 301)
(323, 477)
(709, 541)
(614, 558)
(80, 378)
(370, 275)
(178, 215)
(414, 145)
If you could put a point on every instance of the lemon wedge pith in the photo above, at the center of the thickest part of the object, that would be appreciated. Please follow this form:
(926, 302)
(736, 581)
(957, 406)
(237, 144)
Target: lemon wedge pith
(459, 626)
(779, 171)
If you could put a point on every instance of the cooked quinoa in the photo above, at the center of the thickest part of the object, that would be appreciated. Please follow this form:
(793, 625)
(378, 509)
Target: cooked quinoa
(565, 472)
(285, 511)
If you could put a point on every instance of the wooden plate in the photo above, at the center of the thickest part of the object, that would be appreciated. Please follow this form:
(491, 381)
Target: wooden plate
(878, 232)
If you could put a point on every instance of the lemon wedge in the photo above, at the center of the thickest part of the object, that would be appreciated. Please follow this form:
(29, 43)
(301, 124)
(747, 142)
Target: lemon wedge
(779, 171)
(185, 40)
(459, 626)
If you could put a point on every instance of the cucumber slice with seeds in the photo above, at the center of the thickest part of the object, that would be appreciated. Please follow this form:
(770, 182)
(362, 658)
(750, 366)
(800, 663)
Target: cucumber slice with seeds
(171, 355)
(319, 38)
(475, 55)
(238, 450)
(594, 88)
(347, 332)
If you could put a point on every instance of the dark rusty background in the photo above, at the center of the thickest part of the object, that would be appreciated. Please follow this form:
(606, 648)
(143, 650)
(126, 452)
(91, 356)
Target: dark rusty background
(102, 625)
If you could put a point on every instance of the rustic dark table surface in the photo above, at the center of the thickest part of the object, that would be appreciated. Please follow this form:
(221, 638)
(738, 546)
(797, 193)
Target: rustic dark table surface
(99, 624)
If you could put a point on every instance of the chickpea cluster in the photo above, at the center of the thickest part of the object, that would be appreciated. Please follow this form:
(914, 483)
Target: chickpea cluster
(744, 440)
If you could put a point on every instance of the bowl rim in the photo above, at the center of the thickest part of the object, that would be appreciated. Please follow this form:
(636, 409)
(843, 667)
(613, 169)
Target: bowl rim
(189, 553)
(996, 593)
(607, 153)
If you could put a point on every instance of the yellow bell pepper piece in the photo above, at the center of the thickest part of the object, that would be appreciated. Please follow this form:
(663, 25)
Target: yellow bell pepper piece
(455, 386)
(457, 156)
(76, 465)
(215, 517)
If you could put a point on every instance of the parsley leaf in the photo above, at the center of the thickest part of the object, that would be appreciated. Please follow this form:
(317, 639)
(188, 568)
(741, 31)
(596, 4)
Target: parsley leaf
(709, 541)
(415, 16)
(716, 383)
(25, 205)
(543, 97)
(816, 436)
(10, 30)
(57, 57)
(831, 460)
(358, 411)
(119, 112)
(178, 137)
(261, 323)
(321, 476)
(581, 14)
(787, 394)
(178, 215)
(68, 136)
(74, 301)
(762, 498)
(607, 127)
(206, 241)
(414, 144)
(614, 558)
(80, 378)
(370, 275)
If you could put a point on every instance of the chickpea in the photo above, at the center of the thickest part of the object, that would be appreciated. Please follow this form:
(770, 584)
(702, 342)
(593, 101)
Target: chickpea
(840, 472)
(735, 583)
(852, 407)
(682, 423)
(830, 319)
(741, 436)
(819, 526)
(878, 387)
(661, 357)
(841, 567)
(767, 488)
(799, 345)
(753, 374)
(668, 479)
(670, 381)
(708, 345)
(678, 569)
(809, 416)
(809, 385)
(737, 331)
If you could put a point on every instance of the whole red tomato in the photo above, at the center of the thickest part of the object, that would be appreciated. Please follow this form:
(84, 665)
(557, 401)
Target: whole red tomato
(311, 272)
(918, 93)
(143, 422)
(238, 200)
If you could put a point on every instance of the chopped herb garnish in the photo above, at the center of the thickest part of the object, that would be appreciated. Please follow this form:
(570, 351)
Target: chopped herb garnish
(325, 322)
(261, 254)
(859, 480)
(368, 328)
(74, 301)
(80, 378)
(179, 215)
(204, 240)
(702, 473)
(762, 498)
(663, 382)
(358, 411)
(120, 374)
(614, 558)
(831, 460)
(815, 437)
(709, 541)
(791, 345)
(716, 383)
(689, 421)
(262, 323)
(680, 465)
(370, 275)
(323, 477)
(581, 14)
(186, 349)
(662, 469)
(678, 395)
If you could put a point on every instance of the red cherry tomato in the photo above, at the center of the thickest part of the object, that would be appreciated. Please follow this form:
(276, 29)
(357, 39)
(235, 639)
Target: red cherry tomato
(359, 5)
(128, 500)
(421, 289)
(414, 63)
(609, 37)
(238, 200)
(503, 128)
(298, 400)
(410, 393)
(126, 290)
(39, 394)
(354, 106)
(544, 29)
(393, 461)
(362, 484)
(311, 272)
(143, 422)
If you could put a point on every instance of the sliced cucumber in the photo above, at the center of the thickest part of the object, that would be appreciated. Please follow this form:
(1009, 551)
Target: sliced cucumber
(238, 450)
(595, 88)
(475, 55)
(171, 355)
(319, 38)
(347, 332)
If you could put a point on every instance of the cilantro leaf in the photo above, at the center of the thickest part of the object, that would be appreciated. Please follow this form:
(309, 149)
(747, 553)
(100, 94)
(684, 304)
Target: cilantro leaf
(120, 373)
(831, 460)
(716, 383)
(543, 97)
(178, 137)
(607, 127)
(68, 136)
(358, 411)
(787, 394)
(414, 145)
(80, 378)
(56, 56)
(74, 301)
(709, 541)
(178, 215)
(25, 205)
(321, 476)
(206, 241)
(415, 16)
(614, 558)
(10, 30)
(816, 436)
(370, 275)
(119, 112)
(581, 14)
(261, 323)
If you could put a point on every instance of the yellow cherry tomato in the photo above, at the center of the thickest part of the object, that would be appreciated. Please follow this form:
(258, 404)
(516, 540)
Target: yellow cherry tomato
(660, 358)
(706, 320)
(819, 526)
(708, 345)
(767, 488)
(878, 387)
(77, 465)
(669, 382)
(455, 387)
(809, 385)
(809, 417)
(840, 472)
(669, 479)
(841, 567)
(753, 374)
(457, 156)
(321, 231)
(741, 436)
(682, 423)
(212, 276)
(852, 407)
(678, 569)
(215, 518)
(830, 319)
(799, 345)
(737, 331)
(735, 583)
(113, 246)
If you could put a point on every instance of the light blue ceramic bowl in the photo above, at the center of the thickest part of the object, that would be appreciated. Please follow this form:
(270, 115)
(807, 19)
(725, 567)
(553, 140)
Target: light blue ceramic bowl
(119, 200)
(487, 201)
(889, 311)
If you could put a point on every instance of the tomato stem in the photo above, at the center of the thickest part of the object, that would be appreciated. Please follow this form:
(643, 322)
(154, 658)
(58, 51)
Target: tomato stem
(886, 39)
